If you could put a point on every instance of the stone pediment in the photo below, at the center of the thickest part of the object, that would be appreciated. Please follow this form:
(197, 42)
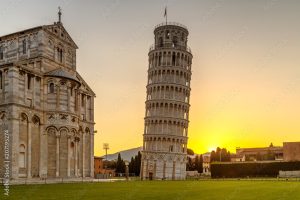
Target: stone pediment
(59, 31)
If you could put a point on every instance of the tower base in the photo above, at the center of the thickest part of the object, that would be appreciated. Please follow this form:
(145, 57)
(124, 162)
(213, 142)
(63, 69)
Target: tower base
(163, 166)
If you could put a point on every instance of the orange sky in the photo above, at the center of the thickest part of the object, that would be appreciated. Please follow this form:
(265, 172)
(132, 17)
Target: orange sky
(245, 82)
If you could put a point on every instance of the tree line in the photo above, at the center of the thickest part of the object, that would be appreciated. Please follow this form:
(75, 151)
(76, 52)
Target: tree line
(134, 164)
(195, 164)
(220, 155)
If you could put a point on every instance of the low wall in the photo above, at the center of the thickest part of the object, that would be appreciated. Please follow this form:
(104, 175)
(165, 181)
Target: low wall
(289, 174)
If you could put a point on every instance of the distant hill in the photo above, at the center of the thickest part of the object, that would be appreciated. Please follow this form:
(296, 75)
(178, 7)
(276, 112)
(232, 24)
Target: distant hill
(125, 155)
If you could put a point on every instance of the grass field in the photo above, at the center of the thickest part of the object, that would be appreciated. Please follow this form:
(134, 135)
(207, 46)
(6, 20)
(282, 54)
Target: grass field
(157, 190)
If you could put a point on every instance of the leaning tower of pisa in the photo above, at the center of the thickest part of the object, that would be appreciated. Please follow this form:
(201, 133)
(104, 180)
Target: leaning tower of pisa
(165, 136)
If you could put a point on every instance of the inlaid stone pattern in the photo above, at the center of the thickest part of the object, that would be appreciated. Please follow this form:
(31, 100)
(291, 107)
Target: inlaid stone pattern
(164, 152)
(46, 106)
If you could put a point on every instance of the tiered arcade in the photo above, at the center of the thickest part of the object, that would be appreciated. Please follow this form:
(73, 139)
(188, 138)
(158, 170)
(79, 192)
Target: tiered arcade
(167, 104)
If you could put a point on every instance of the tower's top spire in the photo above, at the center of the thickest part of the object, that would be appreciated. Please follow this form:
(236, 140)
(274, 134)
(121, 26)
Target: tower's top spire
(59, 14)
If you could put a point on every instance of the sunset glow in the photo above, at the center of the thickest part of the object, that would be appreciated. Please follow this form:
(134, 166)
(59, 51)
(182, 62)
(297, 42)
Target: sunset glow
(245, 81)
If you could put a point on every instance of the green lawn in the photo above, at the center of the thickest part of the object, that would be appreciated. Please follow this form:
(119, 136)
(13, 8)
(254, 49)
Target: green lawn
(156, 190)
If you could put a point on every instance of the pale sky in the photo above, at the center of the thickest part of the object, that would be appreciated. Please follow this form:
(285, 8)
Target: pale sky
(246, 66)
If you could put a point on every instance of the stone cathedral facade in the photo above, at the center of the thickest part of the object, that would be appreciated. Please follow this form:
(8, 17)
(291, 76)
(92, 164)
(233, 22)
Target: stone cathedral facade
(164, 152)
(46, 107)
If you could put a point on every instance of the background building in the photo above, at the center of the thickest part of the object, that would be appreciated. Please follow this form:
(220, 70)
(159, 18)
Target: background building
(46, 106)
(206, 163)
(261, 153)
(102, 171)
(167, 104)
(98, 165)
(291, 151)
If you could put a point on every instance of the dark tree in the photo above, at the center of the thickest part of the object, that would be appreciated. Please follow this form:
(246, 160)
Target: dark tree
(190, 152)
(132, 165)
(199, 163)
(138, 160)
(213, 156)
(110, 164)
(220, 155)
(135, 164)
(190, 165)
(120, 165)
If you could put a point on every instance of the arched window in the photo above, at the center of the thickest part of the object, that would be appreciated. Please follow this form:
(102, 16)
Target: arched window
(22, 158)
(173, 58)
(1, 80)
(82, 100)
(24, 47)
(36, 120)
(51, 88)
(175, 41)
(159, 59)
(28, 81)
(60, 54)
(160, 42)
(1, 53)
(167, 34)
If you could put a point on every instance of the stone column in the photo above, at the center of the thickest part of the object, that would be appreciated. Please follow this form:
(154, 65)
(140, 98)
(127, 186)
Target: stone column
(164, 170)
(161, 144)
(183, 168)
(83, 152)
(142, 170)
(42, 152)
(13, 132)
(3, 85)
(42, 93)
(154, 171)
(57, 98)
(57, 155)
(92, 152)
(159, 94)
(76, 157)
(29, 150)
(33, 91)
(79, 104)
(75, 101)
(92, 109)
(174, 77)
(69, 96)
(69, 155)
(25, 87)
(147, 168)
(85, 107)
(173, 172)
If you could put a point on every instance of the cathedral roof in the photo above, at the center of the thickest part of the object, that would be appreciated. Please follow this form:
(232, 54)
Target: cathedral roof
(63, 74)
(57, 30)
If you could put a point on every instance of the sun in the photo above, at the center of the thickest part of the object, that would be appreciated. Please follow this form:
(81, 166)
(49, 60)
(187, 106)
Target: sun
(212, 148)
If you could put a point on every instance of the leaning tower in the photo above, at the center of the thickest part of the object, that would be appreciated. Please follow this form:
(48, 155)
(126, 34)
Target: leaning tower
(164, 152)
